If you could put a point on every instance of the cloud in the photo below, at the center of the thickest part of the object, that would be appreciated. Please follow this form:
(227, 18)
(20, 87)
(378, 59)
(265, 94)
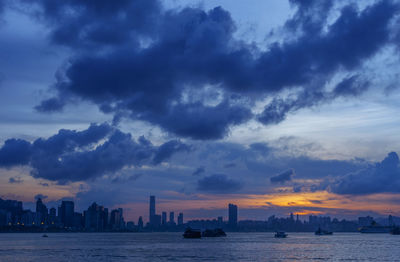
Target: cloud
(15, 152)
(15, 180)
(166, 150)
(50, 105)
(44, 184)
(383, 177)
(283, 177)
(84, 155)
(199, 171)
(218, 183)
(136, 59)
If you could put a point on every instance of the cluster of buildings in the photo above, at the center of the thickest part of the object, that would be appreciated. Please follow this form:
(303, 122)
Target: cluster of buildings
(98, 219)
(95, 218)
(160, 221)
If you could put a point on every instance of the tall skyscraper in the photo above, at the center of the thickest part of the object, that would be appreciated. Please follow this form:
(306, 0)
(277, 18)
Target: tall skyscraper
(171, 217)
(140, 223)
(41, 211)
(95, 218)
(233, 214)
(180, 219)
(152, 212)
(164, 218)
(66, 213)
(52, 216)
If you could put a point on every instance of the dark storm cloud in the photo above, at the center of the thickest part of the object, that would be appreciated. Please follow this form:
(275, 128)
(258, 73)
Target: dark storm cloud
(15, 180)
(351, 86)
(167, 149)
(218, 183)
(77, 156)
(137, 60)
(383, 177)
(87, 24)
(283, 177)
(15, 152)
(50, 105)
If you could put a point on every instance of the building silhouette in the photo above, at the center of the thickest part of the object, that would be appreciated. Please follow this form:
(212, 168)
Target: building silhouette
(41, 212)
(66, 213)
(152, 210)
(180, 219)
(140, 223)
(96, 218)
(164, 218)
(233, 215)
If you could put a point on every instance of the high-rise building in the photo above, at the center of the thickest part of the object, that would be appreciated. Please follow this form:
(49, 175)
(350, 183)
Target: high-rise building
(171, 217)
(95, 217)
(233, 215)
(140, 223)
(66, 213)
(41, 211)
(180, 219)
(152, 210)
(164, 218)
(117, 219)
(52, 216)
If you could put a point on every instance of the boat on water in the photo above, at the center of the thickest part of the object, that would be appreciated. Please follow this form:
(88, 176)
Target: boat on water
(44, 235)
(321, 232)
(374, 229)
(280, 234)
(192, 233)
(218, 232)
(395, 231)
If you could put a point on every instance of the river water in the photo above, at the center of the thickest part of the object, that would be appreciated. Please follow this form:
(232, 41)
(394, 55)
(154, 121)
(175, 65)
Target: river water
(97, 247)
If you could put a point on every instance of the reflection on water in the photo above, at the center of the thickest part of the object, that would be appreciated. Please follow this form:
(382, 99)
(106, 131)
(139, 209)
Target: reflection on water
(172, 247)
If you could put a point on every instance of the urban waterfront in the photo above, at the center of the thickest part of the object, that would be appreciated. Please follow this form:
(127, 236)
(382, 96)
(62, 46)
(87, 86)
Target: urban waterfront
(58, 247)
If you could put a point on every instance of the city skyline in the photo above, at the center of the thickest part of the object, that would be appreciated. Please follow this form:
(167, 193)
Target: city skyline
(271, 106)
(97, 218)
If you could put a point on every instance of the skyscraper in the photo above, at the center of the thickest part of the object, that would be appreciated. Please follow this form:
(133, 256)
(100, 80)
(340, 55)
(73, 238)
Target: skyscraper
(164, 218)
(171, 218)
(41, 211)
(180, 219)
(152, 209)
(233, 212)
(66, 213)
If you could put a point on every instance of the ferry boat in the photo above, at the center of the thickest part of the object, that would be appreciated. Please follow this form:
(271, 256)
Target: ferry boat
(321, 232)
(192, 233)
(395, 231)
(218, 232)
(280, 234)
(374, 229)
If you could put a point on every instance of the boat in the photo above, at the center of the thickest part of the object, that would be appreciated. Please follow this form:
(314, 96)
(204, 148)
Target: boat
(192, 233)
(321, 232)
(218, 232)
(395, 231)
(44, 235)
(374, 229)
(280, 234)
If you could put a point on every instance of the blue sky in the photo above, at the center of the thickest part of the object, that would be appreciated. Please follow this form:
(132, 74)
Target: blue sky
(269, 104)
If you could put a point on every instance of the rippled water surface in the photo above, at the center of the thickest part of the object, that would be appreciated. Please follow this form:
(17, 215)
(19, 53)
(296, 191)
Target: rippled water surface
(172, 247)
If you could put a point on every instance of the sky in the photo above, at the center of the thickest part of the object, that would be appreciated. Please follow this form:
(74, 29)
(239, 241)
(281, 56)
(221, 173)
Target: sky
(277, 106)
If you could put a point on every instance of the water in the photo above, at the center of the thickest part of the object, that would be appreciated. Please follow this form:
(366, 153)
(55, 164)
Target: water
(172, 247)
